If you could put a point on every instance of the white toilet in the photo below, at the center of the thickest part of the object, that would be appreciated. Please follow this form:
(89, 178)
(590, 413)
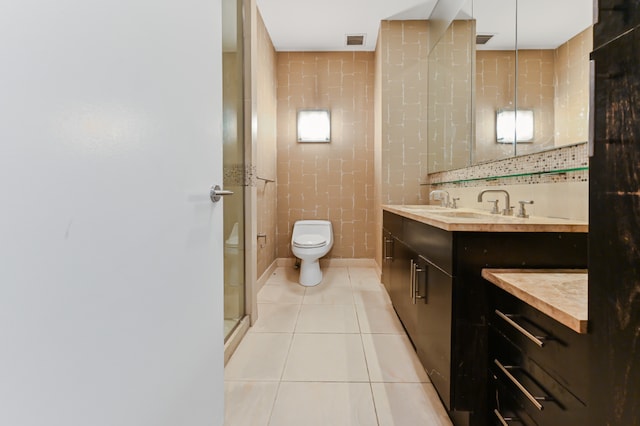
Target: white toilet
(311, 240)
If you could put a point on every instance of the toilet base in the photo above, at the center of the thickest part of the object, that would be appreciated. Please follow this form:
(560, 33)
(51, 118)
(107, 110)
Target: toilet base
(310, 273)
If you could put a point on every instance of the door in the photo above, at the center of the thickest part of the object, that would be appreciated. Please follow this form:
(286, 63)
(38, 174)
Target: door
(402, 286)
(110, 248)
(433, 332)
(233, 163)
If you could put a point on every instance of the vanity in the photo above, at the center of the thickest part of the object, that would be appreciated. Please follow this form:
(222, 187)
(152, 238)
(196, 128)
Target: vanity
(433, 259)
(538, 346)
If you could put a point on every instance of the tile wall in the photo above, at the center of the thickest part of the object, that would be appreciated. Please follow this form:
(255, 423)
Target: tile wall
(267, 104)
(451, 85)
(327, 181)
(401, 115)
(563, 195)
(554, 83)
(572, 89)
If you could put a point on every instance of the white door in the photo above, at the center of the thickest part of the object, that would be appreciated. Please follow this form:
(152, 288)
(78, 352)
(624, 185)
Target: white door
(110, 248)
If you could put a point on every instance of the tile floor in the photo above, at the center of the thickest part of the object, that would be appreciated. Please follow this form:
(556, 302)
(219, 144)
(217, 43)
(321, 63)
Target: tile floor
(330, 355)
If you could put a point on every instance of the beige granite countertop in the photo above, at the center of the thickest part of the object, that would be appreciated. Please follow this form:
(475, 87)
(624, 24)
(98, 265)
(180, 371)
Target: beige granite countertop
(473, 220)
(561, 294)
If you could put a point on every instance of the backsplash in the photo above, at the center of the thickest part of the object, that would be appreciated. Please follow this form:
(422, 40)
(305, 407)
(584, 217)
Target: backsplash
(536, 168)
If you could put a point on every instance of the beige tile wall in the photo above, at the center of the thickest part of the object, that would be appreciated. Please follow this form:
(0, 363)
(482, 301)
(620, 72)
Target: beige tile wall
(327, 181)
(377, 153)
(451, 82)
(495, 86)
(572, 90)
(403, 52)
(401, 116)
(267, 103)
(554, 83)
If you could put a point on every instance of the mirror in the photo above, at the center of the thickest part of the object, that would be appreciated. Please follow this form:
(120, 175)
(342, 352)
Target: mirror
(509, 65)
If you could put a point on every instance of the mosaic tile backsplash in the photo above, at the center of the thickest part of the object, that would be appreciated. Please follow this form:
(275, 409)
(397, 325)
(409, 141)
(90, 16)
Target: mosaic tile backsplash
(528, 169)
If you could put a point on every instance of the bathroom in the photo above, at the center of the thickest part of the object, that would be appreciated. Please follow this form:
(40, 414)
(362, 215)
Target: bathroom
(383, 120)
(152, 181)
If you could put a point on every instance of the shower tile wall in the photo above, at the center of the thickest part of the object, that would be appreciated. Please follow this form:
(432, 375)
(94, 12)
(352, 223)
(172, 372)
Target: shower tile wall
(267, 104)
(327, 181)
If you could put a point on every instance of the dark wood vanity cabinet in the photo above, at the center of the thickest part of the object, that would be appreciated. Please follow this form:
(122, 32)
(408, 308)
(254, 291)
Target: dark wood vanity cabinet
(434, 279)
(537, 366)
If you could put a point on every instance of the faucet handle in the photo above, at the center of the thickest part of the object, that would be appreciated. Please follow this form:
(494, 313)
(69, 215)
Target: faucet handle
(453, 203)
(494, 210)
(522, 212)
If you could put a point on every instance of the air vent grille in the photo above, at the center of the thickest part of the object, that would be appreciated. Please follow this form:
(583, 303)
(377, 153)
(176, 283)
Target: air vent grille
(355, 39)
(483, 38)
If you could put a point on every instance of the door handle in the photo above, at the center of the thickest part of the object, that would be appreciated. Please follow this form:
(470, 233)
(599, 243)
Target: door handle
(215, 193)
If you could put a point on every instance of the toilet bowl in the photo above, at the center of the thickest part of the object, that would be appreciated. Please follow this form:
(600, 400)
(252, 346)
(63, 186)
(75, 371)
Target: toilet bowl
(311, 240)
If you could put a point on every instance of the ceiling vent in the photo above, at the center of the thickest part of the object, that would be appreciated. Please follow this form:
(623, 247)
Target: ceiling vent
(355, 39)
(483, 38)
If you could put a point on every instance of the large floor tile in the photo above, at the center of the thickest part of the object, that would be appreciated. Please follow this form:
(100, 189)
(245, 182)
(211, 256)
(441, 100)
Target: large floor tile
(365, 278)
(248, 403)
(391, 358)
(326, 358)
(378, 319)
(284, 274)
(259, 357)
(276, 318)
(328, 295)
(323, 404)
(281, 293)
(371, 297)
(335, 277)
(327, 319)
(408, 404)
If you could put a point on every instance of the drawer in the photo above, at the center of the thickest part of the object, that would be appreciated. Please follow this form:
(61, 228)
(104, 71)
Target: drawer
(504, 407)
(526, 391)
(560, 351)
(433, 243)
(392, 223)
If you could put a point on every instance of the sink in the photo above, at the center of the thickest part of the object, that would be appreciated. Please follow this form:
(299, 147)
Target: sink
(465, 215)
(422, 207)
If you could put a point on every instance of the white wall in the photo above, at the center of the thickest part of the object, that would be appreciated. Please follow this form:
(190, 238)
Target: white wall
(568, 200)
(110, 250)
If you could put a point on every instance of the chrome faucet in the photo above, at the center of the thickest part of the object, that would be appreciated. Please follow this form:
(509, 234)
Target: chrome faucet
(444, 202)
(508, 210)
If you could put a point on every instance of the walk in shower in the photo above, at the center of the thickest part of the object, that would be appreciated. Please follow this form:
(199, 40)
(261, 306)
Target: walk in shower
(233, 165)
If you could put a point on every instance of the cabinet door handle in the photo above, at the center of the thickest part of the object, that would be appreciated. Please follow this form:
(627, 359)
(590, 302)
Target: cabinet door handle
(504, 420)
(418, 270)
(388, 256)
(538, 340)
(533, 399)
(412, 281)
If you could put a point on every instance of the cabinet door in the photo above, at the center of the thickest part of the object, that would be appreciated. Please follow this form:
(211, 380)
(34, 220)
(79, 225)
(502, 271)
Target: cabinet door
(402, 286)
(434, 308)
(387, 258)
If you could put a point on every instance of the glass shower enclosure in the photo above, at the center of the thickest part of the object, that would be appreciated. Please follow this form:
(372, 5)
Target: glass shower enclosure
(233, 164)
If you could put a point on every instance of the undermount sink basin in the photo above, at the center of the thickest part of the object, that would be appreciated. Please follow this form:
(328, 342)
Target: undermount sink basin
(464, 215)
(423, 207)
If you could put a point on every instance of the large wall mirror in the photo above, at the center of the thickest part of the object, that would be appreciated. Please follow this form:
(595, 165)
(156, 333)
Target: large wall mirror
(507, 78)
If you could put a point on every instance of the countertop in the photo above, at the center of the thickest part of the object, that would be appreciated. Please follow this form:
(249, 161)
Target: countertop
(472, 220)
(560, 294)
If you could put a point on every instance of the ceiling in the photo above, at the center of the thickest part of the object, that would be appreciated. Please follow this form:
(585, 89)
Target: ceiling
(314, 25)
(321, 25)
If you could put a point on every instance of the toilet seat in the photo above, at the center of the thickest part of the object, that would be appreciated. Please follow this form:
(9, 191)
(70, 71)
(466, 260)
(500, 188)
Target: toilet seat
(310, 241)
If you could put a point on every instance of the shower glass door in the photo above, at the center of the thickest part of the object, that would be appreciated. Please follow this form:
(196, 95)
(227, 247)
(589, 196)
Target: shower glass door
(233, 164)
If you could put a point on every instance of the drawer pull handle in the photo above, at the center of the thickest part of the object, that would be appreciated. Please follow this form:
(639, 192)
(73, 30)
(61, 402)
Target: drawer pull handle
(504, 420)
(533, 399)
(538, 340)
